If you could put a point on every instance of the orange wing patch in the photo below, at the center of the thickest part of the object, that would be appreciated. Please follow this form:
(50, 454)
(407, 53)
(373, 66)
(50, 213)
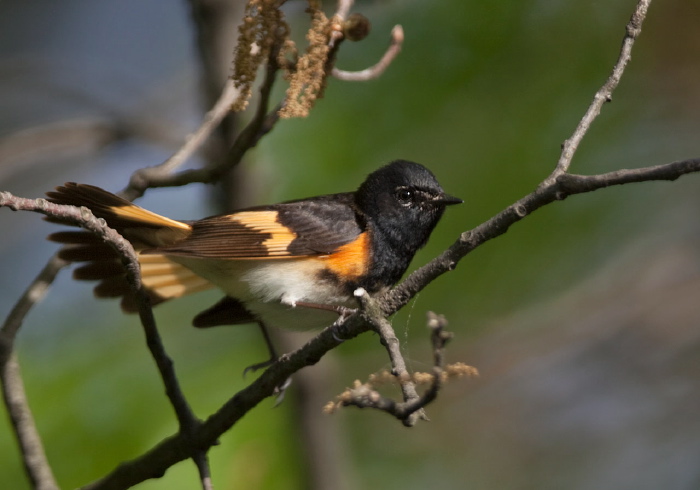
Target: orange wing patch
(351, 260)
(168, 279)
(138, 214)
(266, 222)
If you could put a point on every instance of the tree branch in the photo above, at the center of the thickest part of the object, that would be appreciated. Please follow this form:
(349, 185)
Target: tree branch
(158, 175)
(33, 455)
(176, 448)
(387, 336)
(604, 94)
(376, 70)
(558, 185)
(259, 126)
(365, 395)
(564, 186)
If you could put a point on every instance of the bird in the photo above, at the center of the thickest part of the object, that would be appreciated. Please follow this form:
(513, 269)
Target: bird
(293, 265)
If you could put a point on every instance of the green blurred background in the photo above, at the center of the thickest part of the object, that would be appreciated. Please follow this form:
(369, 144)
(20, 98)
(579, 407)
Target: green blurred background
(583, 319)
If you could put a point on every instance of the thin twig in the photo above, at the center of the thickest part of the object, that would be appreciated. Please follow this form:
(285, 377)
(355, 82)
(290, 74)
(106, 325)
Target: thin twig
(365, 395)
(550, 189)
(33, 455)
(439, 337)
(377, 70)
(343, 8)
(575, 184)
(633, 29)
(202, 462)
(259, 126)
(142, 178)
(340, 15)
(187, 420)
(387, 336)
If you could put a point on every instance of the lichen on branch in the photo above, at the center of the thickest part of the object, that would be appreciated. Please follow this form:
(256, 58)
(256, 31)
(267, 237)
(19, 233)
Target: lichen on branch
(263, 26)
(307, 81)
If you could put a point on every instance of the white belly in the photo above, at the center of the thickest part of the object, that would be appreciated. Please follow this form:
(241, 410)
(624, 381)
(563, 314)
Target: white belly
(270, 289)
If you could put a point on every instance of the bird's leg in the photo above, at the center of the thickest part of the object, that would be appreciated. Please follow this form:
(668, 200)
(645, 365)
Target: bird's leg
(281, 389)
(270, 349)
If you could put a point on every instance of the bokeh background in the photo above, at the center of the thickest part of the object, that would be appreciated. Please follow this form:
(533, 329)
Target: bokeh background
(584, 319)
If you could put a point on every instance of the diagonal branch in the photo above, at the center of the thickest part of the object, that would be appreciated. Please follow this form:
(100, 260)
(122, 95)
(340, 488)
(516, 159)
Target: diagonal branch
(564, 186)
(33, 455)
(176, 448)
(551, 188)
(604, 94)
(261, 124)
(144, 178)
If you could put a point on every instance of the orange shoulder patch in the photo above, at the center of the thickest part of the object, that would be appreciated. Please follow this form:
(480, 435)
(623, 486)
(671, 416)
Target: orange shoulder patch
(351, 260)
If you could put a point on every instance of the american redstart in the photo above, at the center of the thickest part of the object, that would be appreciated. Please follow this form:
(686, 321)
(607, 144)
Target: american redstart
(292, 265)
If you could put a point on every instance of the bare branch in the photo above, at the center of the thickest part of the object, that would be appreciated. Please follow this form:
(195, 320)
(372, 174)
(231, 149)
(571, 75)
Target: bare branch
(202, 463)
(365, 395)
(144, 178)
(176, 448)
(634, 28)
(377, 70)
(259, 126)
(387, 336)
(576, 184)
(562, 187)
(35, 462)
(439, 338)
(343, 8)
(31, 446)
(550, 189)
(84, 218)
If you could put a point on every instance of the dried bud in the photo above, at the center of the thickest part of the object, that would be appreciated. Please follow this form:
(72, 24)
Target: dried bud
(356, 27)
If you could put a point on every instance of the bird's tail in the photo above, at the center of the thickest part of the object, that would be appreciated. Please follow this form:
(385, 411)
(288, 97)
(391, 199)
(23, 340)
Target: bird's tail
(161, 277)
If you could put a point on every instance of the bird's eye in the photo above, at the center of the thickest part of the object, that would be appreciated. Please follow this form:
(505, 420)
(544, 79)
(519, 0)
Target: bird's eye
(405, 195)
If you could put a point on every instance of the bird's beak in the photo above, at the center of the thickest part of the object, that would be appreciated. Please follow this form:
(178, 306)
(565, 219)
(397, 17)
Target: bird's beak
(447, 200)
